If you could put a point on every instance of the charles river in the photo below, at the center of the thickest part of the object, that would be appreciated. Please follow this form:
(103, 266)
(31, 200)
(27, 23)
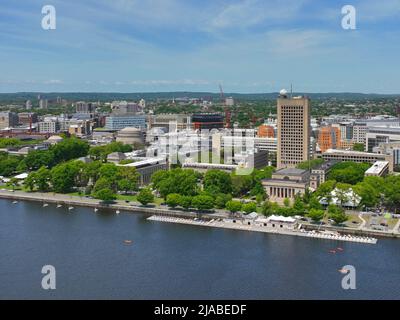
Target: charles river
(169, 261)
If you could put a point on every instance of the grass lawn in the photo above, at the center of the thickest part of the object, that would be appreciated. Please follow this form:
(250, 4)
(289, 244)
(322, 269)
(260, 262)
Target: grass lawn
(20, 188)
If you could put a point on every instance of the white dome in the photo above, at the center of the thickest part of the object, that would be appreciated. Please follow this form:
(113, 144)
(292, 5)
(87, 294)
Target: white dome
(130, 129)
(283, 92)
(55, 138)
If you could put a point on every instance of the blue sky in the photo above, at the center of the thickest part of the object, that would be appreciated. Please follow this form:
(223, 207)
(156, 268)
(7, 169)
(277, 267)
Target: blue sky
(192, 45)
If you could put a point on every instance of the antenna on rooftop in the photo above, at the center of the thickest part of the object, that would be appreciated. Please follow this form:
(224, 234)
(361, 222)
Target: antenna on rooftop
(291, 91)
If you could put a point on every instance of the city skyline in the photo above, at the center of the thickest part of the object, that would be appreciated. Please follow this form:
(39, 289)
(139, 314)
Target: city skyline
(248, 46)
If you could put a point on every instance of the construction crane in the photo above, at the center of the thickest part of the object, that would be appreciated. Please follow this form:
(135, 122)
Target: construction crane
(222, 95)
(228, 115)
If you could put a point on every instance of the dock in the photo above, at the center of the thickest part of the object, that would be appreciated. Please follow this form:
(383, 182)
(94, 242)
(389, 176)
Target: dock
(254, 228)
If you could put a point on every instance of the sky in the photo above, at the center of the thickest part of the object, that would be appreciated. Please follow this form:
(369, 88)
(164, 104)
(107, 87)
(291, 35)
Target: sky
(247, 46)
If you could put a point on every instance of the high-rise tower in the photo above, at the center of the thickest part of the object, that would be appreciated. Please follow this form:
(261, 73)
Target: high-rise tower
(293, 130)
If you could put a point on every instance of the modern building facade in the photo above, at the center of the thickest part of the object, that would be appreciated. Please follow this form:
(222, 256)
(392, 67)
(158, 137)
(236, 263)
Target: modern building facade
(328, 138)
(208, 121)
(119, 122)
(27, 118)
(8, 120)
(49, 127)
(84, 107)
(355, 156)
(176, 121)
(377, 135)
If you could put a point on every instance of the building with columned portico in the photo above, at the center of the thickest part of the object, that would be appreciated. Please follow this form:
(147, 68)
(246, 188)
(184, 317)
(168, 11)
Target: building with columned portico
(286, 184)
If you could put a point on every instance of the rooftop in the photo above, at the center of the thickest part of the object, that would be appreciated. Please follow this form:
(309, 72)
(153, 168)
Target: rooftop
(377, 167)
(359, 153)
(290, 172)
(326, 165)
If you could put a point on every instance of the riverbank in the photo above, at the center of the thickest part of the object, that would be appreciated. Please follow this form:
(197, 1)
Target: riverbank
(227, 224)
(70, 201)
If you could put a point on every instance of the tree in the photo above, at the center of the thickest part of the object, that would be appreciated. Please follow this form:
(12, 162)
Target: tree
(314, 203)
(102, 183)
(145, 196)
(221, 200)
(337, 214)
(101, 152)
(105, 195)
(316, 215)
(30, 181)
(203, 202)
(260, 174)
(310, 164)
(325, 189)
(269, 208)
(299, 207)
(8, 166)
(180, 181)
(69, 149)
(392, 192)
(39, 158)
(185, 202)
(258, 190)
(348, 172)
(91, 171)
(359, 147)
(249, 207)
(242, 184)
(260, 198)
(217, 181)
(126, 185)
(286, 203)
(130, 177)
(343, 191)
(109, 171)
(370, 196)
(233, 206)
(42, 179)
(13, 183)
(63, 177)
(173, 200)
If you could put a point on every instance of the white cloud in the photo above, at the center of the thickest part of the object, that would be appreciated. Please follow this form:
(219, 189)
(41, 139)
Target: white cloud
(53, 81)
(194, 82)
(372, 10)
(249, 13)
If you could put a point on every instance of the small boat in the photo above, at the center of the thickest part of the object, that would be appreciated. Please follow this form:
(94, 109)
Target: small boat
(339, 249)
(59, 206)
(128, 241)
(71, 208)
(117, 212)
(15, 202)
(95, 209)
(343, 271)
(332, 251)
(45, 205)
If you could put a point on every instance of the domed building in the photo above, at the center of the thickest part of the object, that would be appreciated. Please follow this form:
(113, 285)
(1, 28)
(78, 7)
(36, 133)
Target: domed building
(130, 135)
(265, 131)
(54, 139)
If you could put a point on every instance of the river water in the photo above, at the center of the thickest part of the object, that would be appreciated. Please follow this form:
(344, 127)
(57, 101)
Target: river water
(168, 261)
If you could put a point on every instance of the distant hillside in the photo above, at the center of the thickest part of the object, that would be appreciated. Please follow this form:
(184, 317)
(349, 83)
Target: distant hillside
(98, 96)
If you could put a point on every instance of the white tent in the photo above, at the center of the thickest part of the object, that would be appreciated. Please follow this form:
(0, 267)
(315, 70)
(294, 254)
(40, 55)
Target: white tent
(21, 176)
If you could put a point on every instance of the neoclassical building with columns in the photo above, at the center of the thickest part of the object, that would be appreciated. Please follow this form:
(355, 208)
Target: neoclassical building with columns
(286, 184)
